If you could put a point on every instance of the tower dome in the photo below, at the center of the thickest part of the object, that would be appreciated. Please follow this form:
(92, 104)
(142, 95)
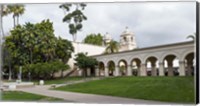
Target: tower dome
(126, 32)
(127, 40)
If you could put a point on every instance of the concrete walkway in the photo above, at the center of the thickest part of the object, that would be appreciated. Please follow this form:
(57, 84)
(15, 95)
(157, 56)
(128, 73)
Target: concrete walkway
(85, 98)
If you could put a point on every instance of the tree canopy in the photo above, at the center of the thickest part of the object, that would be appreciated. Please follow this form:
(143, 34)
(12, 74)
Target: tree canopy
(74, 18)
(36, 43)
(83, 61)
(95, 39)
(112, 46)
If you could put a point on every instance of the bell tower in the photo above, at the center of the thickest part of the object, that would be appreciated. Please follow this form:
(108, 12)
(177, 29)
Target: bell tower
(127, 40)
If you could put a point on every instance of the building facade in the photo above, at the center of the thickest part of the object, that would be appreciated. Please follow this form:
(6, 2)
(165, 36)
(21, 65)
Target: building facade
(137, 60)
(130, 60)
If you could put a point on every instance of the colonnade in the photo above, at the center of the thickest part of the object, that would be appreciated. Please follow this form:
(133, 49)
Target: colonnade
(158, 67)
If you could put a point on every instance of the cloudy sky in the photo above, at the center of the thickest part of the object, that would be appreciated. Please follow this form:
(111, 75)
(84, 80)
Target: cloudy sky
(153, 23)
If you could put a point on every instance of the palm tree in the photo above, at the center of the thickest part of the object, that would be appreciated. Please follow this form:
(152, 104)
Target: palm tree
(17, 10)
(3, 12)
(112, 47)
(191, 36)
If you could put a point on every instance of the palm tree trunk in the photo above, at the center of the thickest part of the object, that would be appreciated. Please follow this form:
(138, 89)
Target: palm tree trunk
(74, 37)
(1, 20)
(1, 47)
(17, 20)
(10, 72)
(14, 21)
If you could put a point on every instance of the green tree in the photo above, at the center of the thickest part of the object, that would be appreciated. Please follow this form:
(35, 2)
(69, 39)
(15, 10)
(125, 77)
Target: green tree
(84, 62)
(64, 49)
(74, 18)
(112, 47)
(95, 39)
(36, 43)
(17, 10)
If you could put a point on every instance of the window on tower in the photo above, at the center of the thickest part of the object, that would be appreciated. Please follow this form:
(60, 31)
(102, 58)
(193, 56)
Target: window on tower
(125, 39)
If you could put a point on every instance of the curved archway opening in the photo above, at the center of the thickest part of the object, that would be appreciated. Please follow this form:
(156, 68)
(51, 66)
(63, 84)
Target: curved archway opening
(189, 64)
(123, 67)
(111, 68)
(135, 66)
(152, 66)
(171, 65)
(101, 69)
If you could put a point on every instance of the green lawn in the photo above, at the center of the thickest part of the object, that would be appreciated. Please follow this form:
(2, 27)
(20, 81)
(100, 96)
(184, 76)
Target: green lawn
(169, 89)
(22, 96)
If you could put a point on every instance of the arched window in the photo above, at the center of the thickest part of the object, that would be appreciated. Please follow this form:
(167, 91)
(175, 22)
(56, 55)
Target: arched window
(125, 39)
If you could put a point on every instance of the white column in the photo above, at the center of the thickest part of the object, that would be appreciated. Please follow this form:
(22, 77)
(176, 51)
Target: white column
(88, 72)
(153, 69)
(143, 70)
(189, 67)
(106, 71)
(181, 68)
(161, 69)
(129, 70)
(170, 68)
(117, 69)
(138, 70)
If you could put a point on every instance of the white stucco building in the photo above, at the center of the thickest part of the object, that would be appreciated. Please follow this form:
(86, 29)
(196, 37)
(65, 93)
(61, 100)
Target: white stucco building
(130, 60)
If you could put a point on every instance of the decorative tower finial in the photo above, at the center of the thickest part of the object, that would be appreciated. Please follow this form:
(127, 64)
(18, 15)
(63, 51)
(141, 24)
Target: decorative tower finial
(127, 40)
(126, 30)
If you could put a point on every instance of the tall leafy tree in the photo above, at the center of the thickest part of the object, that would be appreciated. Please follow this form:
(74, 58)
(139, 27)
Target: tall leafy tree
(95, 39)
(17, 10)
(83, 62)
(74, 18)
(112, 47)
(64, 49)
(36, 43)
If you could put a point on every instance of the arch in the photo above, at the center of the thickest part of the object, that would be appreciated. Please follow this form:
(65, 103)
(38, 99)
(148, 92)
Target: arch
(131, 58)
(168, 53)
(111, 67)
(170, 70)
(189, 62)
(186, 52)
(123, 65)
(151, 55)
(101, 68)
(189, 56)
(151, 67)
(135, 66)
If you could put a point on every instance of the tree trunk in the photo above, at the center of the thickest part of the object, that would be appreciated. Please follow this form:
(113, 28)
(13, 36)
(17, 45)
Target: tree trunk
(20, 73)
(1, 45)
(1, 21)
(31, 57)
(10, 72)
(14, 21)
(74, 37)
(17, 20)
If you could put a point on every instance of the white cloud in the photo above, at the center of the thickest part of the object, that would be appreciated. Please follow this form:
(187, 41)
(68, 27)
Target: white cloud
(153, 23)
